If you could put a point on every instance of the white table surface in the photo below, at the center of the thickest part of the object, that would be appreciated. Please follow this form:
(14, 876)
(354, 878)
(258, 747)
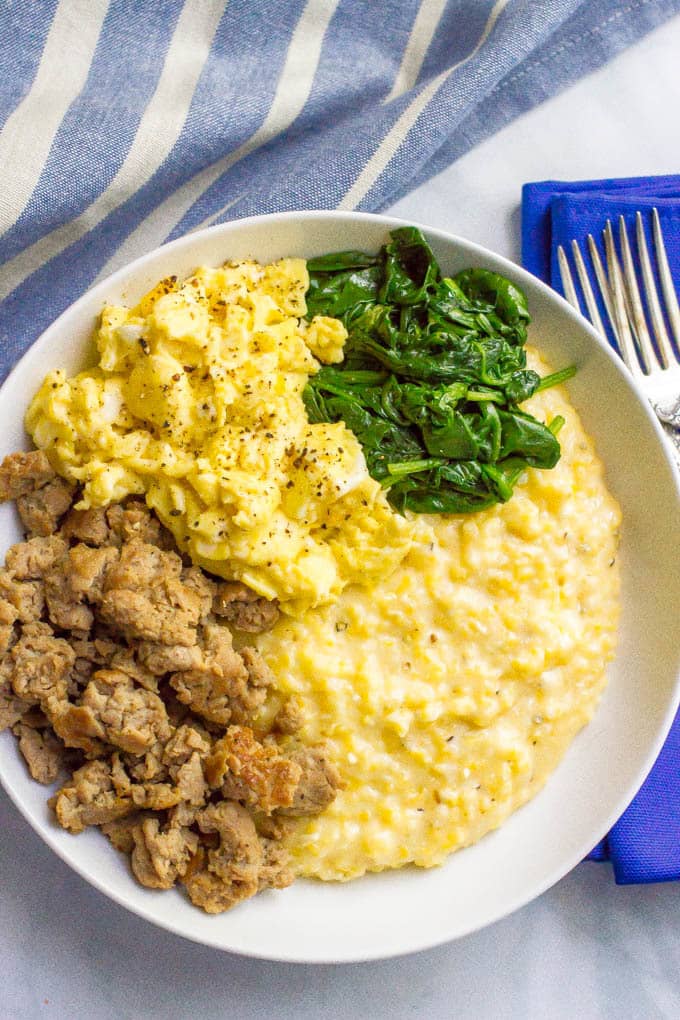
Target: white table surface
(585, 949)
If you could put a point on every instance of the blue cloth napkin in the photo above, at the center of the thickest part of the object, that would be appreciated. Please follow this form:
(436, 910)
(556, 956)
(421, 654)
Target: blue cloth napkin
(126, 123)
(644, 845)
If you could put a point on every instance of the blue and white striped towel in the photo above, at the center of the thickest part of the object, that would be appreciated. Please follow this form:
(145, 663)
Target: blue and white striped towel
(125, 123)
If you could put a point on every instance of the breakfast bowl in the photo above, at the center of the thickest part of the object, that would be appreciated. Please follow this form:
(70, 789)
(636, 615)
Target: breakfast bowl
(408, 909)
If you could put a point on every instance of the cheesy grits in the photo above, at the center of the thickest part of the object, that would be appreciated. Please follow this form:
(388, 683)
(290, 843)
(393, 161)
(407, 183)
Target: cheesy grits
(451, 691)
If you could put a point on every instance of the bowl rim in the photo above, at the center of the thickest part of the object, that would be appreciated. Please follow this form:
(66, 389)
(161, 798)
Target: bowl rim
(514, 271)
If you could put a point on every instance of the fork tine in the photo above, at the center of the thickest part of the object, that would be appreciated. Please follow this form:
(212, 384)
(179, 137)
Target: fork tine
(624, 289)
(656, 315)
(591, 303)
(626, 342)
(602, 283)
(670, 297)
(637, 312)
(567, 279)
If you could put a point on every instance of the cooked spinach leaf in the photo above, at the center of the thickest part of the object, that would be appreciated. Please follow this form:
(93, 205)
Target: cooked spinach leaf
(433, 376)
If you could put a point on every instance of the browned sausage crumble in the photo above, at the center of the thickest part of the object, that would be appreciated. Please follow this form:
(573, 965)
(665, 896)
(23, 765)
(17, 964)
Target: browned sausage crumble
(118, 666)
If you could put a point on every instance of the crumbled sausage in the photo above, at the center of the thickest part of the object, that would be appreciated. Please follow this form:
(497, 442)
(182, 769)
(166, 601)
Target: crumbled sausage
(138, 698)
(146, 768)
(76, 726)
(22, 473)
(89, 655)
(145, 599)
(244, 608)
(275, 871)
(88, 569)
(41, 665)
(231, 872)
(290, 717)
(89, 798)
(207, 891)
(182, 814)
(42, 752)
(124, 659)
(12, 708)
(156, 796)
(99, 651)
(259, 673)
(190, 780)
(273, 827)
(40, 510)
(185, 741)
(184, 754)
(134, 521)
(41, 497)
(74, 583)
(160, 857)
(196, 580)
(89, 526)
(145, 617)
(145, 780)
(27, 597)
(161, 659)
(32, 560)
(142, 566)
(318, 783)
(66, 608)
(119, 831)
(218, 688)
(8, 617)
(121, 714)
(251, 771)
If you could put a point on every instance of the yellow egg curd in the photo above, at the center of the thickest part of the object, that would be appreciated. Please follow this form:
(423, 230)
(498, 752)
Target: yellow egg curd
(196, 403)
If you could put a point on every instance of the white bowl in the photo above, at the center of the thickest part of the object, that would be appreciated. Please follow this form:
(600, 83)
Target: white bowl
(402, 911)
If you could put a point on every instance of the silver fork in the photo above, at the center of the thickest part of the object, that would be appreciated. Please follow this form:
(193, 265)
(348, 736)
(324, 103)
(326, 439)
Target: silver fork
(656, 367)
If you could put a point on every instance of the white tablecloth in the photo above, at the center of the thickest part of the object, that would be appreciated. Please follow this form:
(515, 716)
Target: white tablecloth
(586, 948)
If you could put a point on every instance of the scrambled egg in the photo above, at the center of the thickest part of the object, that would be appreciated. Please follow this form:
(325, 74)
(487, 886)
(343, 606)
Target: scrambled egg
(197, 403)
(451, 691)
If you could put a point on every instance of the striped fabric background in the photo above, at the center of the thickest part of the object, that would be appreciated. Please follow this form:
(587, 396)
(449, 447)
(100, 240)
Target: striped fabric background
(126, 123)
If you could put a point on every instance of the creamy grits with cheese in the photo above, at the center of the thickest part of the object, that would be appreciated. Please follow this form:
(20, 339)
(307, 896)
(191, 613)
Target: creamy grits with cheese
(446, 569)
(451, 691)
